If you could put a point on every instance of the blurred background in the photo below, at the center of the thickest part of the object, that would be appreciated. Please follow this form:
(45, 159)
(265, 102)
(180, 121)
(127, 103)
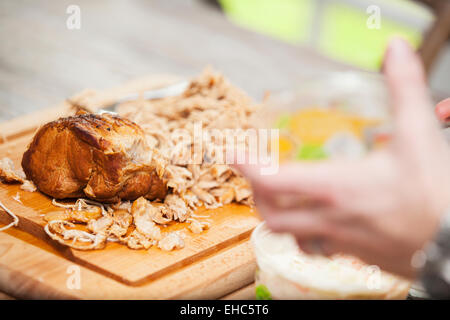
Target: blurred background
(258, 44)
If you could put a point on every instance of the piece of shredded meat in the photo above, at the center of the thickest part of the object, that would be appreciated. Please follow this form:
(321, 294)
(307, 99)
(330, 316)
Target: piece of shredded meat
(81, 240)
(28, 185)
(197, 226)
(8, 173)
(122, 220)
(171, 241)
(143, 219)
(176, 208)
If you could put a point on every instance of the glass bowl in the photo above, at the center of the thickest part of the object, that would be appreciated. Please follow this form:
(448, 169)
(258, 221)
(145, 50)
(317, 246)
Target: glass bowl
(342, 114)
(285, 272)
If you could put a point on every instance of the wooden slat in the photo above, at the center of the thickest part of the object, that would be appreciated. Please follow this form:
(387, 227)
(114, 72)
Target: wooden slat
(230, 224)
(27, 271)
(245, 293)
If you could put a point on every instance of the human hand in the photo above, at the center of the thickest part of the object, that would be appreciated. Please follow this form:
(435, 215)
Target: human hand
(381, 208)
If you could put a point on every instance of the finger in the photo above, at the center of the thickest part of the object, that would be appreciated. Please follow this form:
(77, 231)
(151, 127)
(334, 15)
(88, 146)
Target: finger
(405, 78)
(317, 246)
(342, 240)
(332, 230)
(319, 180)
(326, 247)
(369, 247)
(288, 200)
(443, 110)
(407, 86)
(303, 224)
(312, 233)
(251, 171)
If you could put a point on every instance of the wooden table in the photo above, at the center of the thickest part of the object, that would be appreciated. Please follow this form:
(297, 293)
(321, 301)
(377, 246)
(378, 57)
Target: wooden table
(42, 62)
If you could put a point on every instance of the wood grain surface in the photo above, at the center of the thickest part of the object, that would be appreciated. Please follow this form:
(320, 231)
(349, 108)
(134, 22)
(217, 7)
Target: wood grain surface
(245, 293)
(30, 270)
(44, 62)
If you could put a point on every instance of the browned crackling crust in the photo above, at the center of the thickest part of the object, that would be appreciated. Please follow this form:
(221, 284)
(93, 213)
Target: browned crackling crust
(103, 157)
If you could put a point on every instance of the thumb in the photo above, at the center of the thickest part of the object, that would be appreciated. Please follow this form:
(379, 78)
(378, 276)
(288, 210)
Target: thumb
(251, 171)
(406, 82)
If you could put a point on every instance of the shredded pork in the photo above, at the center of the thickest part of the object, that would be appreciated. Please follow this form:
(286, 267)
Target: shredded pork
(28, 185)
(193, 179)
(171, 241)
(9, 174)
(212, 101)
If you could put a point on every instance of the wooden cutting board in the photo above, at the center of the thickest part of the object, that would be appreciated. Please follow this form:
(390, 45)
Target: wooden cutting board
(212, 264)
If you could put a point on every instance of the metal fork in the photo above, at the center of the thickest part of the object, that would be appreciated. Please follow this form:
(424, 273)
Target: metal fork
(169, 91)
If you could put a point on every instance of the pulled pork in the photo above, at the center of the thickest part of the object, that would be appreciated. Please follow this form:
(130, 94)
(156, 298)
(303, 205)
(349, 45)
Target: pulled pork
(194, 178)
(8, 174)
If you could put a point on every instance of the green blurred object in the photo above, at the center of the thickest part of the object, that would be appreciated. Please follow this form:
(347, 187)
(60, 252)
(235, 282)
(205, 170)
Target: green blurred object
(289, 20)
(346, 37)
(310, 152)
(338, 29)
(283, 121)
(262, 293)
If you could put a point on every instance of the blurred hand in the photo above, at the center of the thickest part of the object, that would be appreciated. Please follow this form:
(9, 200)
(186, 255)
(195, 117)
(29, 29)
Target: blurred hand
(383, 207)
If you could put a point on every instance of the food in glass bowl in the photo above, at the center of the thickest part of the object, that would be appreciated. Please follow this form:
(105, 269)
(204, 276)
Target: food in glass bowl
(318, 133)
(285, 272)
(337, 115)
